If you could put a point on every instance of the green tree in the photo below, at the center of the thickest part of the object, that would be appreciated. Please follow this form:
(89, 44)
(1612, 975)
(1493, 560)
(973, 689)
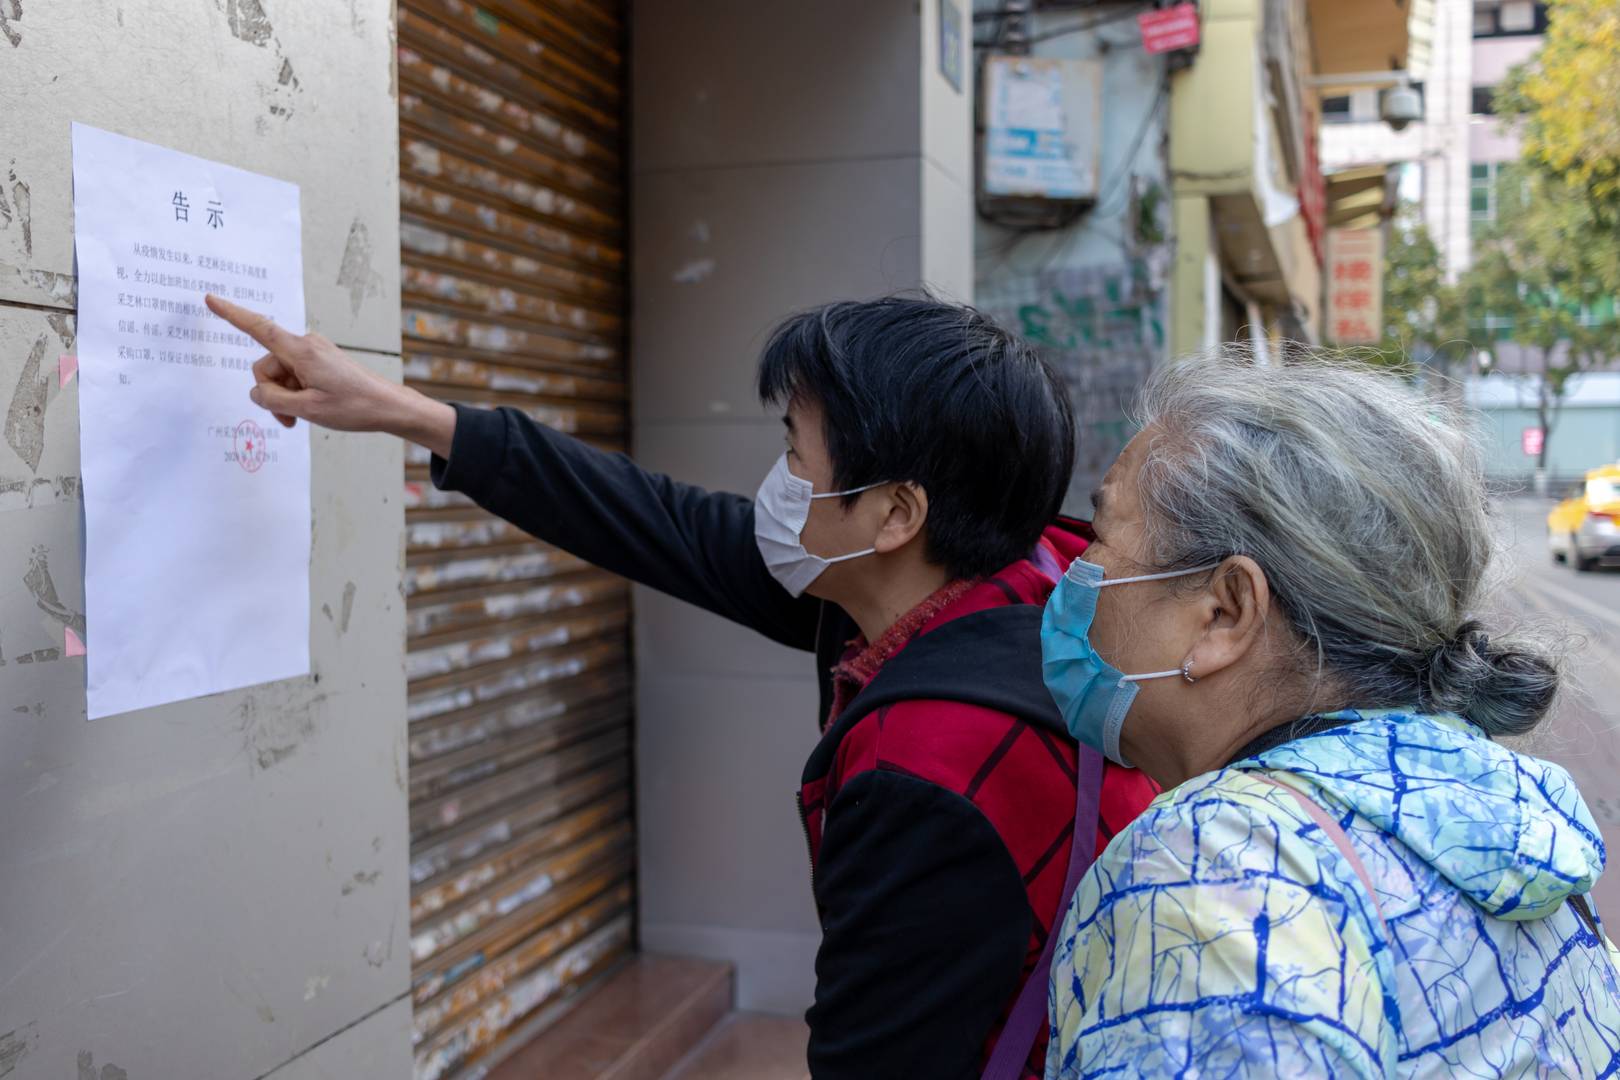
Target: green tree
(1424, 318)
(1567, 101)
(1545, 278)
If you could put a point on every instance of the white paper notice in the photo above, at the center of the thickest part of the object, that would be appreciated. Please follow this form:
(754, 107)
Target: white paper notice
(196, 501)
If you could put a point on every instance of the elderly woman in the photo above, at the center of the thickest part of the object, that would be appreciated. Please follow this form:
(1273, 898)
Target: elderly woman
(1346, 875)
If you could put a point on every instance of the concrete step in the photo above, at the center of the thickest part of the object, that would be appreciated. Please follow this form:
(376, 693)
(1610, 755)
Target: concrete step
(643, 1021)
(747, 1046)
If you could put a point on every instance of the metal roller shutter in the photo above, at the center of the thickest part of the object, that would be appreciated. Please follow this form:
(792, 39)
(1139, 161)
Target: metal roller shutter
(512, 237)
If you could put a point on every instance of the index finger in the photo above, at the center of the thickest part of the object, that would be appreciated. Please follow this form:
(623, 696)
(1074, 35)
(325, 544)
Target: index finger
(261, 328)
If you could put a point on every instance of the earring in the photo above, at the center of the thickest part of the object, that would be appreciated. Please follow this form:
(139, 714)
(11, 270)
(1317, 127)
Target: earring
(1186, 671)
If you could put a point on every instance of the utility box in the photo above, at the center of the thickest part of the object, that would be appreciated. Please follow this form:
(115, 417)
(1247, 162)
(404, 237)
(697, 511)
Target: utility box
(1043, 129)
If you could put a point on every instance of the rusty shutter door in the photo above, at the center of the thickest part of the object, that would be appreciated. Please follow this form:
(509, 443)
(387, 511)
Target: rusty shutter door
(512, 236)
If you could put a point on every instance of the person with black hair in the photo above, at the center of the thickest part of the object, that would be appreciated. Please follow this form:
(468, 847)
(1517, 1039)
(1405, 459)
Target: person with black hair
(908, 537)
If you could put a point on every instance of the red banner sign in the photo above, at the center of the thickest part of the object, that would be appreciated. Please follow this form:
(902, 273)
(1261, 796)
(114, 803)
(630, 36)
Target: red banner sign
(1170, 29)
(1313, 192)
(1355, 274)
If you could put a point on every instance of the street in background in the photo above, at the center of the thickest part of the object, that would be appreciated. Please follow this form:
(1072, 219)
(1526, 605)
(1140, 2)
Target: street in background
(1583, 734)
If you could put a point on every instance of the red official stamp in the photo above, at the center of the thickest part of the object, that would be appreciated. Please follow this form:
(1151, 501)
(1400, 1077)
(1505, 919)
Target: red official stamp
(249, 446)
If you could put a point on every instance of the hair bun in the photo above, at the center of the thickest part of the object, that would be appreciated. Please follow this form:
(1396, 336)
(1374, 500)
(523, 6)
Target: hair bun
(1505, 690)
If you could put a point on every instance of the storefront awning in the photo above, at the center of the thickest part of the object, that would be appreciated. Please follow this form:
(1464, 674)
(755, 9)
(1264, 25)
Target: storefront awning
(1360, 198)
(1359, 35)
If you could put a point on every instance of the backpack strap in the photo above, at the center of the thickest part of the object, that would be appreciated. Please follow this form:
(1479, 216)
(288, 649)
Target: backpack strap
(1332, 830)
(1028, 1014)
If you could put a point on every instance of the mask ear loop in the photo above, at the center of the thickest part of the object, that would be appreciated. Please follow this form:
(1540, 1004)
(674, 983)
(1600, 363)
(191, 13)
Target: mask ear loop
(840, 494)
(1153, 577)
(1152, 675)
(1185, 671)
(851, 491)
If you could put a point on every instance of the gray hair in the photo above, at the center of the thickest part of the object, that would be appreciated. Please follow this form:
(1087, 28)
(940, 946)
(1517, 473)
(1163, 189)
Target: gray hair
(1364, 503)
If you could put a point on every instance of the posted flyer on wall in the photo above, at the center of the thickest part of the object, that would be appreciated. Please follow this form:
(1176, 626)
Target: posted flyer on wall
(196, 502)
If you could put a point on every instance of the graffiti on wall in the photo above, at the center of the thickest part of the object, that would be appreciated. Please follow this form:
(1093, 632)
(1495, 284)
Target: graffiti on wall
(1102, 328)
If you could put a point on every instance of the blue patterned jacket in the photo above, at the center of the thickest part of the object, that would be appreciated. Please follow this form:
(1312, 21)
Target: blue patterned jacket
(1223, 934)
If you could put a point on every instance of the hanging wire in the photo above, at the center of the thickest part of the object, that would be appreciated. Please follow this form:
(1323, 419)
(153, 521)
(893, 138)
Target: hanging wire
(1080, 28)
(1001, 15)
(1160, 97)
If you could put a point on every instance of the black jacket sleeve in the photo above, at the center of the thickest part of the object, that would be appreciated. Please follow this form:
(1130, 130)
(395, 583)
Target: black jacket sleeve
(692, 544)
(925, 924)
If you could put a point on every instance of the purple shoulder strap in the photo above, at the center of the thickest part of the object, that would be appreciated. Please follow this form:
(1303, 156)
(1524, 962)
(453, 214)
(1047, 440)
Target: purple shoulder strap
(1029, 1011)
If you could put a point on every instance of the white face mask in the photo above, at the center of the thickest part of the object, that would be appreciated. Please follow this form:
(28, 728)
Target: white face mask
(780, 510)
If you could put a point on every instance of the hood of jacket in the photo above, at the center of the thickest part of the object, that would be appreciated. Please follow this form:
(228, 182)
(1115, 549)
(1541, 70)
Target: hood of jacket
(1510, 831)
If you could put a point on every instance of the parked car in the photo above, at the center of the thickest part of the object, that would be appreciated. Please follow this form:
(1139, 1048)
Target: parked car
(1583, 531)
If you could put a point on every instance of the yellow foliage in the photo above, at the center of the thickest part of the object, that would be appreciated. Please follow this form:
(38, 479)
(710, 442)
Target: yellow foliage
(1572, 96)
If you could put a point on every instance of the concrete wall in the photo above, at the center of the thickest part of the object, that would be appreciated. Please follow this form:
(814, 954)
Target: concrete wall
(1212, 150)
(1586, 435)
(1493, 57)
(1447, 105)
(1490, 140)
(784, 155)
(1583, 439)
(215, 888)
(946, 148)
(1369, 141)
(1196, 278)
(1212, 115)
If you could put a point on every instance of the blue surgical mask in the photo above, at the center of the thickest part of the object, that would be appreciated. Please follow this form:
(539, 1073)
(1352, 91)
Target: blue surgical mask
(1091, 693)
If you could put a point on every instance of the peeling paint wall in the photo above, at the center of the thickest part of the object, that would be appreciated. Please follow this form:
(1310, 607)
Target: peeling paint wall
(216, 888)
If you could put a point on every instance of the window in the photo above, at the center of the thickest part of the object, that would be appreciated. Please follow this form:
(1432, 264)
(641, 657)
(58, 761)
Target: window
(1483, 102)
(1509, 18)
(1492, 326)
(1336, 110)
(1517, 17)
(1409, 182)
(1482, 191)
(1598, 313)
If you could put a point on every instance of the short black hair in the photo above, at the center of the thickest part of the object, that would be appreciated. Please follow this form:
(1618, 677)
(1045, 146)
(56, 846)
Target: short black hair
(917, 389)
